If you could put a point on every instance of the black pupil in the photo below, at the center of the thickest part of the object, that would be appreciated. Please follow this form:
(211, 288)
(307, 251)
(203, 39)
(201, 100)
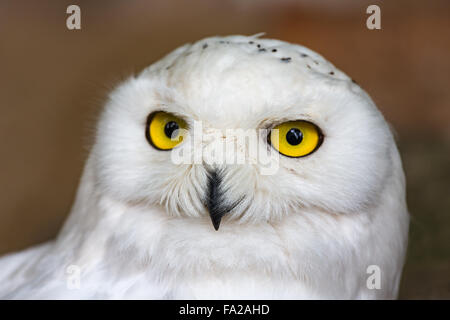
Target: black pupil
(170, 127)
(294, 136)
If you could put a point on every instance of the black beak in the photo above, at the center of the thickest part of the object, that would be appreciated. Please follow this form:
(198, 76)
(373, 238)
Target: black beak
(216, 202)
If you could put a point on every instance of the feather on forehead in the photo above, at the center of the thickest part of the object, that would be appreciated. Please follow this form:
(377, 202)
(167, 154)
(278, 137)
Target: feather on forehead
(229, 50)
(239, 75)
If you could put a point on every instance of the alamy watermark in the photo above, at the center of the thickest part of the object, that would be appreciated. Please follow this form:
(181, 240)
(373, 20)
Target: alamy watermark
(73, 277)
(226, 147)
(373, 22)
(374, 280)
(73, 22)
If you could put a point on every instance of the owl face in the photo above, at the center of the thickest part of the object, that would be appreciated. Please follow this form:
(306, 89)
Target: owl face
(332, 144)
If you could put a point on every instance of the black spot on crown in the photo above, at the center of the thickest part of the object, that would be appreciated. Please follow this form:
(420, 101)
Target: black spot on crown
(286, 59)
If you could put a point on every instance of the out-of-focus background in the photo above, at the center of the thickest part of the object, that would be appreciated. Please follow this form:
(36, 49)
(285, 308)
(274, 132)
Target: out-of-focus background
(53, 82)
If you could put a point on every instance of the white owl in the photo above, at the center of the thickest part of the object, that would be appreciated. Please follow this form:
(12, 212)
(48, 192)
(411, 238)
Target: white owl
(141, 227)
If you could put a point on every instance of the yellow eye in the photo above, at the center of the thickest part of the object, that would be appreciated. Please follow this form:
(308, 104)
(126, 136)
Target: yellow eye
(295, 138)
(163, 130)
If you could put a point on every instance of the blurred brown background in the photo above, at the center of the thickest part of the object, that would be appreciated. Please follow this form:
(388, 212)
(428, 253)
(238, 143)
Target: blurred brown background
(53, 82)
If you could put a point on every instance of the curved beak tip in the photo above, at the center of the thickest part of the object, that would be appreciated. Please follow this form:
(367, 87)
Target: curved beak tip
(216, 222)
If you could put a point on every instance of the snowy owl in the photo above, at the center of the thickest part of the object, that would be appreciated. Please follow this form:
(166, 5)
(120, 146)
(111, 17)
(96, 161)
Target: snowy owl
(330, 211)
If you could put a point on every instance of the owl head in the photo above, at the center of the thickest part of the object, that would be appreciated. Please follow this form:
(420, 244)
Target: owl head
(331, 143)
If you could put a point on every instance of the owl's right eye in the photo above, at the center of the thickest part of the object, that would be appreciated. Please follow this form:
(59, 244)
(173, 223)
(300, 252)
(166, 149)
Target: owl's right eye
(163, 130)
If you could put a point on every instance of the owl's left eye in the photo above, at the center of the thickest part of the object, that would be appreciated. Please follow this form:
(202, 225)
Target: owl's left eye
(295, 138)
(163, 130)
